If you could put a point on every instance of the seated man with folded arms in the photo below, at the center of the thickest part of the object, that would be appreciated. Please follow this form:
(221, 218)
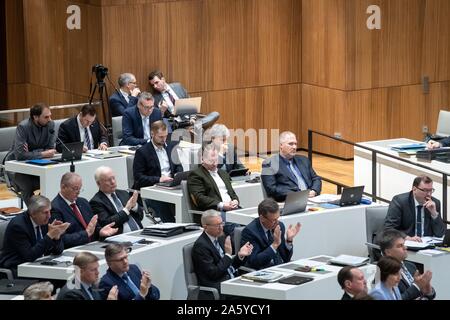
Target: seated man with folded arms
(212, 254)
(272, 243)
(67, 206)
(35, 139)
(83, 286)
(132, 283)
(416, 213)
(29, 235)
(288, 172)
(412, 285)
(83, 127)
(352, 281)
(126, 96)
(137, 120)
(113, 205)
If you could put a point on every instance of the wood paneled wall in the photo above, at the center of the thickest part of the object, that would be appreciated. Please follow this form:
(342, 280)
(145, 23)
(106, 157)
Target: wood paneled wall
(286, 64)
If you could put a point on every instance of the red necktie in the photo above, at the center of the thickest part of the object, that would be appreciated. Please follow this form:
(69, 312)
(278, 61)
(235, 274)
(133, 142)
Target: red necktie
(78, 214)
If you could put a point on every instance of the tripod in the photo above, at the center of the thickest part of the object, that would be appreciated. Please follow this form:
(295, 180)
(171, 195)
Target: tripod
(100, 84)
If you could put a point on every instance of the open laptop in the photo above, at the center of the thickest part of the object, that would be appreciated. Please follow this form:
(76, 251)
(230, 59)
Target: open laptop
(73, 152)
(350, 196)
(175, 183)
(187, 106)
(295, 203)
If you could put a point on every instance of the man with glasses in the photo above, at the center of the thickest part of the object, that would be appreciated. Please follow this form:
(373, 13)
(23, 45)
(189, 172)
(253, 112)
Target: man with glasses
(67, 206)
(272, 243)
(132, 283)
(136, 121)
(212, 254)
(126, 96)
(416, 213)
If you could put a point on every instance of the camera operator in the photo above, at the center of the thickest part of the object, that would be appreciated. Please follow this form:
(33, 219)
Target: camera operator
(126, 96)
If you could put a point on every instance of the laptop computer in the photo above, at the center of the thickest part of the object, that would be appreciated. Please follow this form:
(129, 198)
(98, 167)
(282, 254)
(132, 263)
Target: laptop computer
(295, 203)
(238, 172)
(175, 183)
(73, 152)
(350, 196)
(187, 106)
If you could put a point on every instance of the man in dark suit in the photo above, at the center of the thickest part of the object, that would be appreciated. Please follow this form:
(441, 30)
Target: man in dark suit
(416, 213)
(272, 243)
(68, 207)
(130, 281)
(212, 254)
(83, 127)
(352, 281)
(165, 94)
(35, 139)
(29, 235)
(136, 121)
(438, 144)
(412, 285)
(288, 172)
(157, 162)
(113, 205)
(84, 284)
(126, 96)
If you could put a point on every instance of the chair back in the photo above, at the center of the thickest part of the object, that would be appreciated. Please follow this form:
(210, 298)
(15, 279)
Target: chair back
(187, 196)
(190, 277)
(117, 130)
(3, 226)
(264, 192)
(8, 135)
(57, 124)
(374, 224)
(237, 237)
(443, 125)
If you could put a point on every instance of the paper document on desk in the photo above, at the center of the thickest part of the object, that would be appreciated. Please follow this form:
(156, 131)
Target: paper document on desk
(95, 152)
(431, 252)
(347, 260)
(324, 198)
(414, 245)
(263, 276)
(63, 259)
(433, 240)
(124, 238)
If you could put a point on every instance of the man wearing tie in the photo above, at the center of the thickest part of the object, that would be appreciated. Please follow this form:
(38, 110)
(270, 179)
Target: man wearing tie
(416, 213)
(126, 96)
(84, 284)
(212, 254)
(136, 121)
(165, 94)
(288, 172)
(272, 243)
(67, 206)
(113, 205)
(29, 236)
(132, 283)
(83, 127)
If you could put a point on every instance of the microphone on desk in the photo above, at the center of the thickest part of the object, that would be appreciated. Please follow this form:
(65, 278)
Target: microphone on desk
(72, 166)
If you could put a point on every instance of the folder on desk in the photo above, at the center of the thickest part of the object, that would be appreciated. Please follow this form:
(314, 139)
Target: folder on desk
(41, 162)
(167, 229)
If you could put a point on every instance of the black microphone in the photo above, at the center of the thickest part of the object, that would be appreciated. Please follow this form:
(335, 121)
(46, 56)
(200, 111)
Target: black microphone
(72, 166)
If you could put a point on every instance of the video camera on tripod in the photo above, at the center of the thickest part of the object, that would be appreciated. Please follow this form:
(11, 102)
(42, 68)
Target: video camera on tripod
(100, 71)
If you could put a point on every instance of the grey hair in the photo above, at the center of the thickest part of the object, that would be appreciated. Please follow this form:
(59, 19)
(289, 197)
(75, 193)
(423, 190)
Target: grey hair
(217, 130)
(37, 203)
(285, 135)
(37, 290)
(209, 214)
(68, 177)
(145, 96)
(100, 171)
(125, 79)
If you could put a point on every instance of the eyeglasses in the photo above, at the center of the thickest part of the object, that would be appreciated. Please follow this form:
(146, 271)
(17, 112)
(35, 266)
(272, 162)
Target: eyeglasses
(426, 190)
(147, 107)
(76, 189)
(121, 259)
(217, 225)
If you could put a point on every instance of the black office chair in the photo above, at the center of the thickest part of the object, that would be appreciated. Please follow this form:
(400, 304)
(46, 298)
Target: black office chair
(374, 224)
(8, 178)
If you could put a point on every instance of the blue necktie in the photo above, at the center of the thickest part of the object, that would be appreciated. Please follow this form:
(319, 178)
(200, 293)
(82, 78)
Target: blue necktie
(419, 221)
(87, 140)
(230, 269)
(269, 236)
(131, 222)
(408, 275)
(38, 233)
(130, 284)
(300, 181)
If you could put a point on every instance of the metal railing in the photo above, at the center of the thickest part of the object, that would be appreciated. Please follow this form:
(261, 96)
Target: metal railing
(375, 153)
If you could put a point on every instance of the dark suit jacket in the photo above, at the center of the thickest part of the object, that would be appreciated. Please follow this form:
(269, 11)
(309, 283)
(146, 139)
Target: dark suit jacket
(209, 267)
(445, 142)
(20, 243)
(179, 90)
(401, 215)
(262, 252)
(76, 234)
(132, 129)
(410, 292)
(107, 213)
(230, 161)
(204, 190)
(69, 132)
(146, 167)
(111, 279)
(77, 294)
(346, 296)
(278, 180)
(118, 104)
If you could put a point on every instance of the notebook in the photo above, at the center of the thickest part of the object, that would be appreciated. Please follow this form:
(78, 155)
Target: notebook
(175, 183)
(350, 196)
(295, 203)
(295, 280)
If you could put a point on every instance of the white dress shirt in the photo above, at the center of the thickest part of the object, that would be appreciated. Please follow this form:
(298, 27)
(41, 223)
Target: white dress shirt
(163, 160)
(125, 95)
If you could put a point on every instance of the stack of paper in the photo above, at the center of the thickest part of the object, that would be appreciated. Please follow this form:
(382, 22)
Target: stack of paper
(346, 260)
